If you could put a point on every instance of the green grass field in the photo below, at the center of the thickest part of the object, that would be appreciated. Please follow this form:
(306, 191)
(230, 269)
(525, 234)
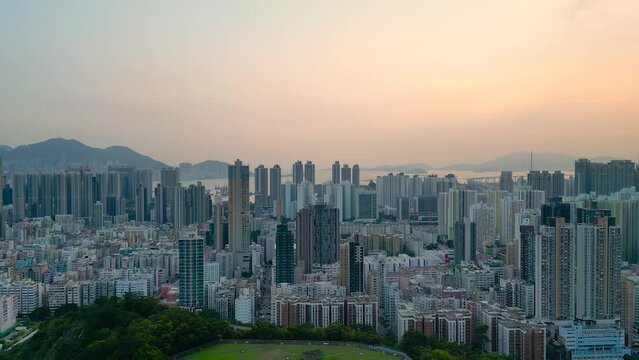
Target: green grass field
(286, 351)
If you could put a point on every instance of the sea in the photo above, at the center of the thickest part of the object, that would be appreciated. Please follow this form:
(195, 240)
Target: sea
(324, 175)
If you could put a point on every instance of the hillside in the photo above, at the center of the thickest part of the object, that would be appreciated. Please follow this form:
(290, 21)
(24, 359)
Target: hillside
(58, 154)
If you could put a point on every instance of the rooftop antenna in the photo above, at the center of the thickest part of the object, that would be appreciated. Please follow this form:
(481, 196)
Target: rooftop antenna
(531, 161)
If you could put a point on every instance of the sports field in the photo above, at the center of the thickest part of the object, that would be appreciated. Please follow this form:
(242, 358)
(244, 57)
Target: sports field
(286, 351)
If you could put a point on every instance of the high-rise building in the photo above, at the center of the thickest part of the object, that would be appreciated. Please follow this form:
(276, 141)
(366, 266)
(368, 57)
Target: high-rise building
(555, 271)
(298, 172)
(554, 209)
(261, 191)
(352, 267)
(142, 210)
(367, 205)
(19, 194)
(465, 241)
(540, 180)
(604, 179)
(506, 181)
(521, 341)
(629, 306)
(317, 231)
(191, 271)
(309, 172)
(527, 243)
(551, 183)
(167, 202)
(484, 218)
(218, 222)
(336, 175)
(211, 272)
(245, 306)
(275, 181)
(98, 215)
(284, 255)
(238, 213)
(558, 186)
(355, 172)
(510, 207)
(598, 275)
(346, 173)
(457, 207)
(626, 213)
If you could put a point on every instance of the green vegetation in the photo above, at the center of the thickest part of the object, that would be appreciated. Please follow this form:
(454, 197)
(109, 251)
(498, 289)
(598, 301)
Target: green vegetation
(141, 328)
(131, 328)
(421, 347)
(278, 351)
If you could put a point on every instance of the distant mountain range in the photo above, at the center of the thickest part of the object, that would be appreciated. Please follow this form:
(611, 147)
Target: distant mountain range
(520, 161)
(406, 168)
(59, 154)
(209, 169)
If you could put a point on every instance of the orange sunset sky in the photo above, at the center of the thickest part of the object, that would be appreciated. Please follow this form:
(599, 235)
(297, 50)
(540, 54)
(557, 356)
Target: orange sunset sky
(375, 82)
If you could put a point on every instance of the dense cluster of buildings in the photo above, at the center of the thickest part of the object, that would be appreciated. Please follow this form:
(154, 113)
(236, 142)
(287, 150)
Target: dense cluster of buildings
(537, 263)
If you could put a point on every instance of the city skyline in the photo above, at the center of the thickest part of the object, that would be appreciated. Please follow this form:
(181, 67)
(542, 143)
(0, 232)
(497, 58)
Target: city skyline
(381, 82)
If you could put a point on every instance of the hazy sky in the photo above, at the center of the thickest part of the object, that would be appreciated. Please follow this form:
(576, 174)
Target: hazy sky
(370, 81)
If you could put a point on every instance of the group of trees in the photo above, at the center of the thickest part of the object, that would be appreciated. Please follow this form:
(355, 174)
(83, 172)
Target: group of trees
(130, 328)
(422, 347)
(141, 328)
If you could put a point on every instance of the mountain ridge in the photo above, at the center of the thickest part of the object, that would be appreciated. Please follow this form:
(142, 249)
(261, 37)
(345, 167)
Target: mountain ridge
(520, 161)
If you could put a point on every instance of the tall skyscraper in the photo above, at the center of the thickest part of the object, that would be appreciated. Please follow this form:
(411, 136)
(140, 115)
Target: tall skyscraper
(484, 216)
(352, 267)
(604, 179)
(261, 190)
(465, 241)
(275, 181)
(142, 211)
(626, 213)
(457, 207)
(355, 172)
(309, 172)
(19, 194)
(191, 271)
(598, 276)
(527, 240)
(629, 305)
(558, 185)
(510, 207)
(238, 215)
(98, 215)
(168, 208)
(346, 173)
(284, 255)
(298, 172)
(506, 181)
(555, 271)
(317, 231)
(336, 175)
(197, 204)
(218, 222)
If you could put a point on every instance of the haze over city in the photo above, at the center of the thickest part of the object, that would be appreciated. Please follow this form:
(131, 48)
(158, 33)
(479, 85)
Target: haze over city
(435, 82)
(334, 179)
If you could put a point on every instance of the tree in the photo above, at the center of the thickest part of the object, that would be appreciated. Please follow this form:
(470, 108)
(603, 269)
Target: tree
(480, 337)
(64, 309)
(437, 355)
(40, 314)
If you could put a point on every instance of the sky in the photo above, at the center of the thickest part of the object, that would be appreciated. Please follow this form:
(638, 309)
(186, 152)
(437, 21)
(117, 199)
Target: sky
(374, 82)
